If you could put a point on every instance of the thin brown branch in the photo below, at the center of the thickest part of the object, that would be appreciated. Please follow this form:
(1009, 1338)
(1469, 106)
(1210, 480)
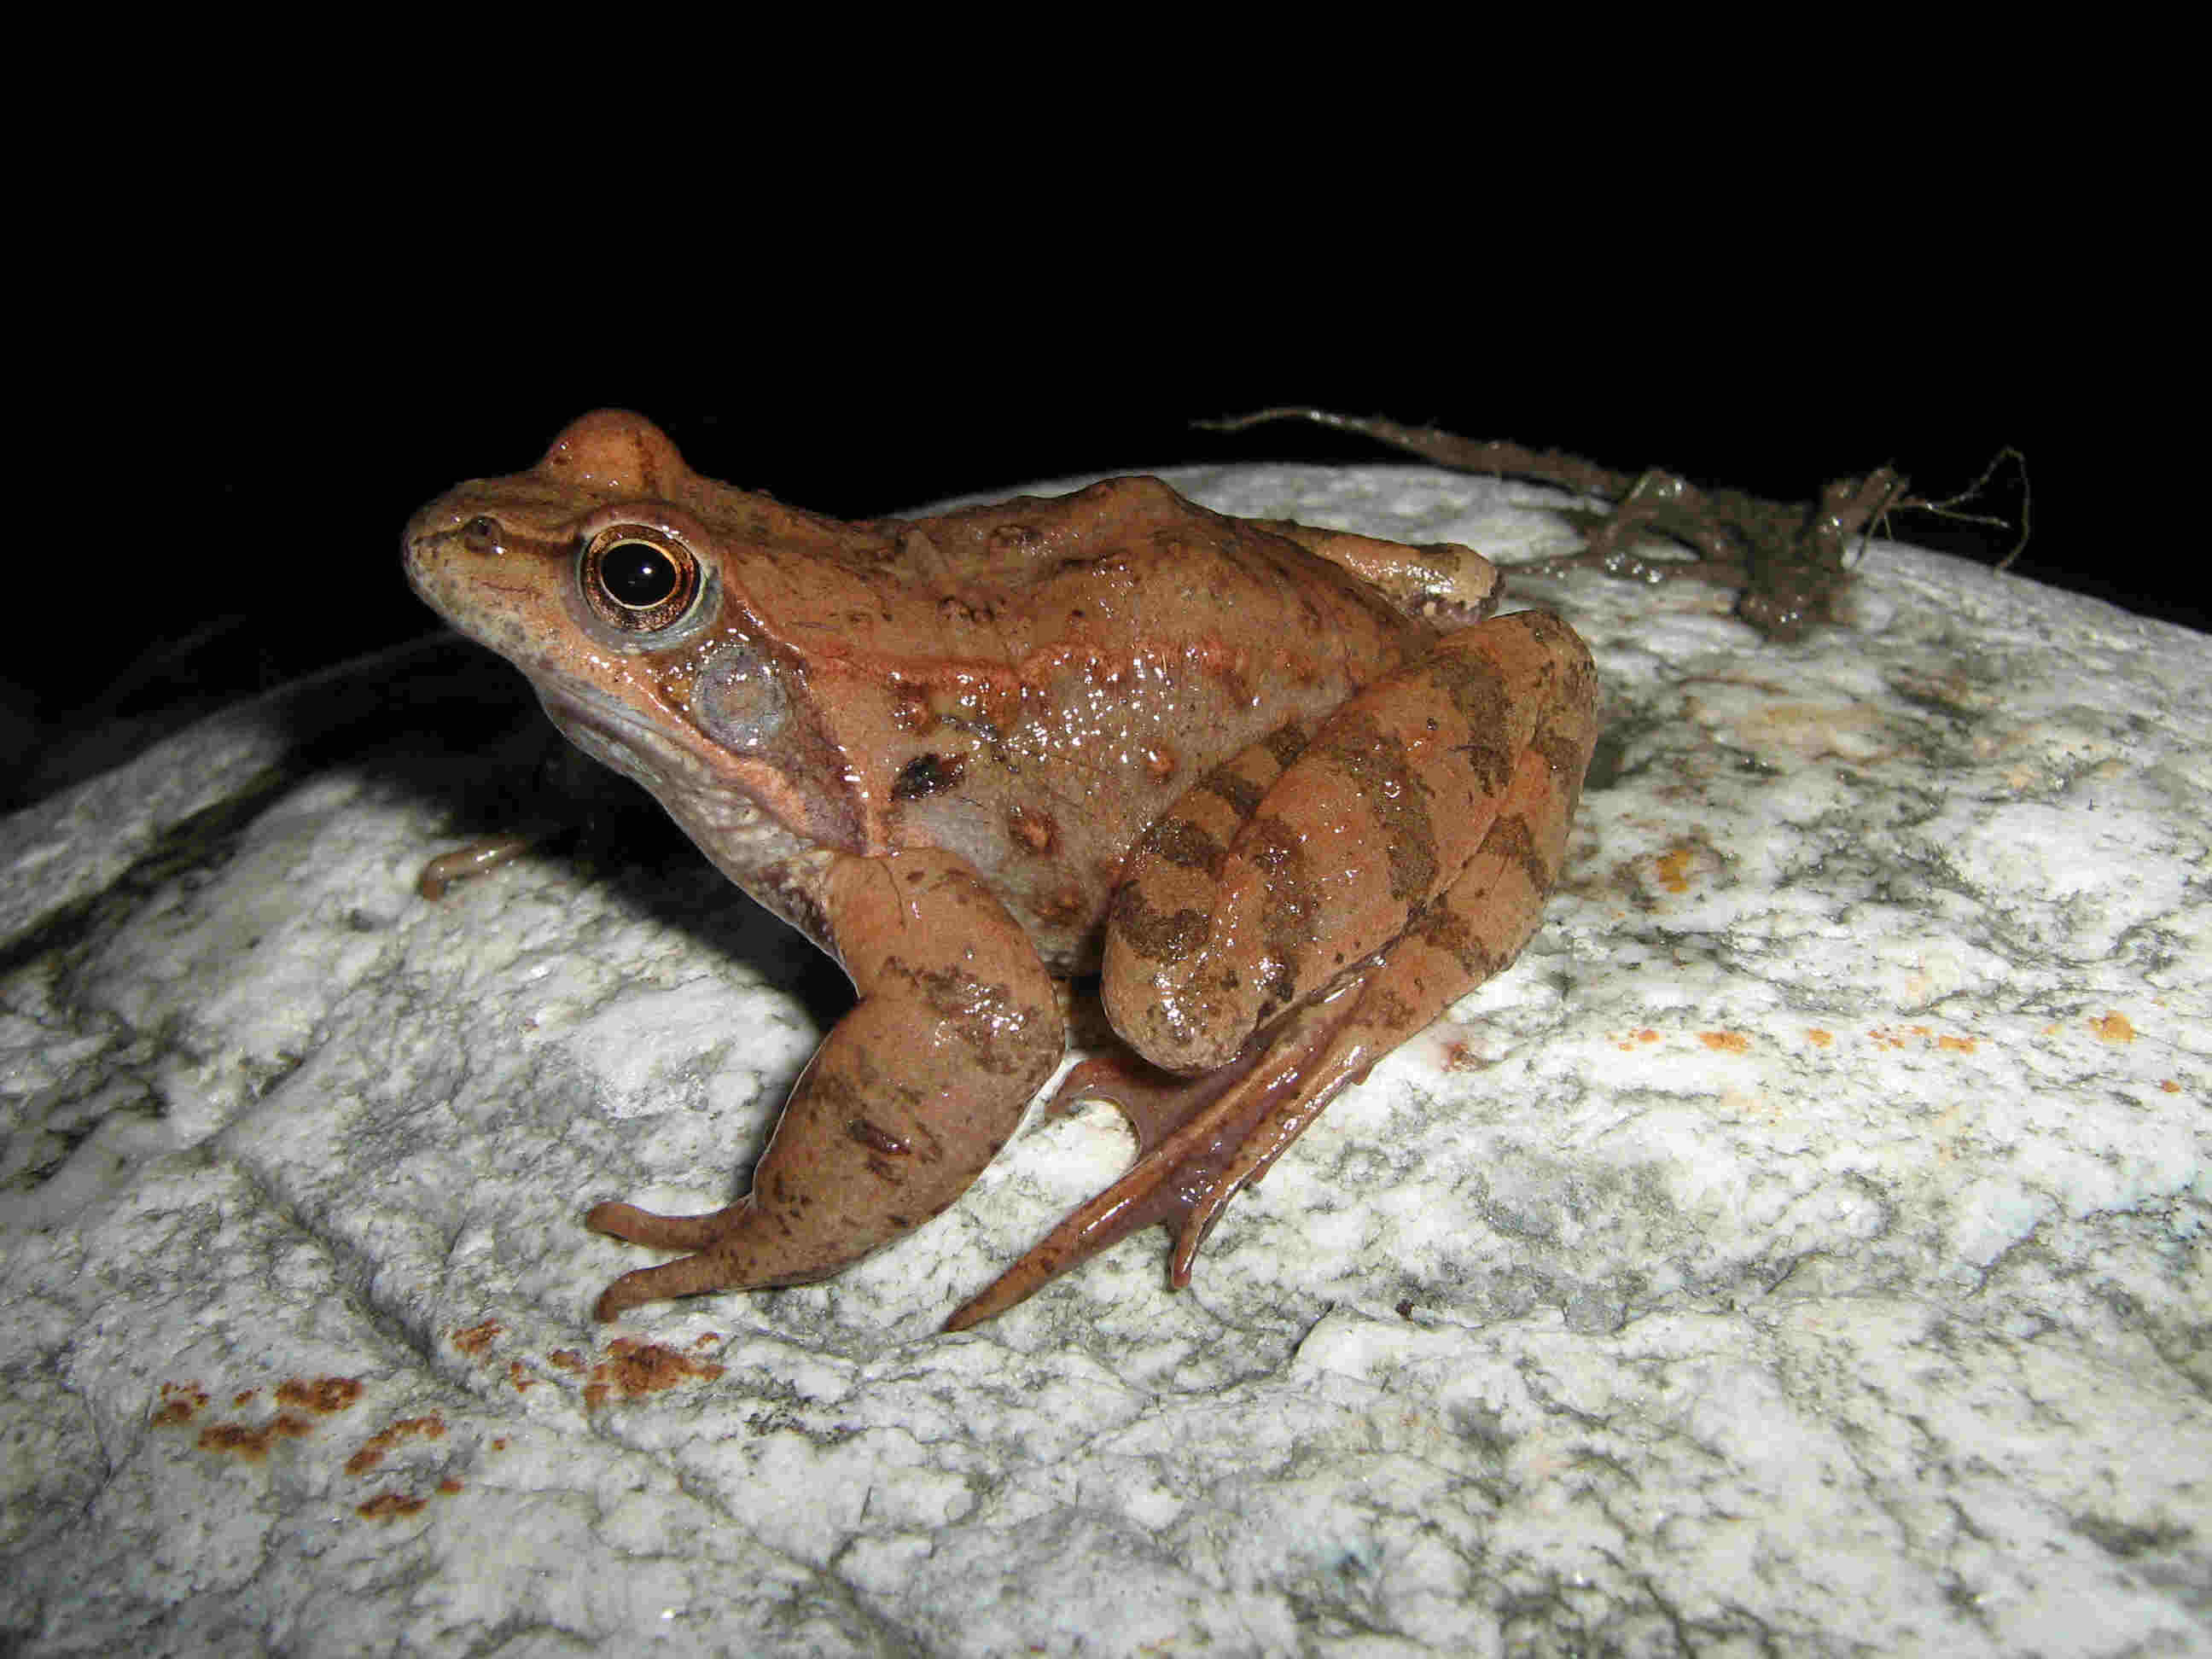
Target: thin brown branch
(1788, 559)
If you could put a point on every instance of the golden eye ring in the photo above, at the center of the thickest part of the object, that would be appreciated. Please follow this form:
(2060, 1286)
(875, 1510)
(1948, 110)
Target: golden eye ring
(638, 580)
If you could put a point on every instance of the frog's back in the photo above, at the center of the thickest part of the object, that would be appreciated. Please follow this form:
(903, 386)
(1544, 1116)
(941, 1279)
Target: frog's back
(1090, 658)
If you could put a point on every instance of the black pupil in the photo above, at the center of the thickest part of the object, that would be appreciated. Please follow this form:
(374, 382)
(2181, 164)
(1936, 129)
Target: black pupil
(637, 574)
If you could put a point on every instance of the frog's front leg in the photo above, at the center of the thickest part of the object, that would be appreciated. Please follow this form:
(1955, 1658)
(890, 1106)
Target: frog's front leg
(903, 1106)
(1311, 906)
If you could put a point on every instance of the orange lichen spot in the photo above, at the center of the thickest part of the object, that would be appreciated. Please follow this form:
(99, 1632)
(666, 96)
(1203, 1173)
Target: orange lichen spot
(499, 1443)
(1818, 1038)
(237, 1440)
(1462, 1057)
(707, 1340)
(321, 1395)
(2169, 1086)
(1727, 1042)
(2113, 1027)
(1671, 868)
(476, 1338)
(519, 1377)
(566, 1359)
(406, 1428)
(1920, 1036)
(388, 1506)
(180, 1403)
(633, 1368)
(1637, 1039)
(243, 1398)
(448, 1487)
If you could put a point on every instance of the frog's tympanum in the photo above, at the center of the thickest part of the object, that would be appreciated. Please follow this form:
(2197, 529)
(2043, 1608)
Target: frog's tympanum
(1285, 790)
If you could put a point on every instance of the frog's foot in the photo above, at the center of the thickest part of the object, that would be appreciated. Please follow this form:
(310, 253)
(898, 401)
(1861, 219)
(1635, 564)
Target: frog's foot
(735, 1249)
(663, 1232)
(1200, 1141)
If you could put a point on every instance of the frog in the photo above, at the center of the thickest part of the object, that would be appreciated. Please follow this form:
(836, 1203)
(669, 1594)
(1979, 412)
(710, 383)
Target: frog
(1288, 791)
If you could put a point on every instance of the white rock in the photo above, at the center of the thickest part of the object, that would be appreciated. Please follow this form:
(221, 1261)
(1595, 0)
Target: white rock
(1801, 1250)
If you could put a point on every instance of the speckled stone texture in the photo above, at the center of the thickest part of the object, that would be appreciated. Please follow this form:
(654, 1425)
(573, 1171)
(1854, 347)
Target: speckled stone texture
(1802, 1250)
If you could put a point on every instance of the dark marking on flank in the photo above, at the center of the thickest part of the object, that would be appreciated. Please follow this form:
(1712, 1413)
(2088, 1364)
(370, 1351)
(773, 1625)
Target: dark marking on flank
(1241, 793)
(1477, 691)
(1290, 918)
(1286, 742)
(1178, 841)
(998, 1031)
(1442, 928)
(1159, 936)
(1512, 840)
(1373, 762)
(875, 1137)
(1564, 756)
(927, 775)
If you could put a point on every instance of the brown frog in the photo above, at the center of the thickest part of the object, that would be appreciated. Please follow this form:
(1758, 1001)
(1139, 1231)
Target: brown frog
(1285, 789)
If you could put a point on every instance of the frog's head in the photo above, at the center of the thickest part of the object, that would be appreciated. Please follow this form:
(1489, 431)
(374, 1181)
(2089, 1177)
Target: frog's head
(675, 627)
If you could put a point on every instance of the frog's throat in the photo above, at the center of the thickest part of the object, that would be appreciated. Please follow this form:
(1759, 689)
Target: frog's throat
(710, 802)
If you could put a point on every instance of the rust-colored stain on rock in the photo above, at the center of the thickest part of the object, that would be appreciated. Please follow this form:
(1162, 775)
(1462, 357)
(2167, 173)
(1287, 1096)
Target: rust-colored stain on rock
(321, 1395)
(389, 1506)
(180, 1403)
(633, 1368)
(475, 1339)
(252, 1443)
(373, 1449)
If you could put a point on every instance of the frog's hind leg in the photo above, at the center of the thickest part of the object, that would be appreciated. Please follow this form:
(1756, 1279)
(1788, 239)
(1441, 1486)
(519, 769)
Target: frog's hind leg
(1254, 893)
(1195, 1138)
(1201, 1140)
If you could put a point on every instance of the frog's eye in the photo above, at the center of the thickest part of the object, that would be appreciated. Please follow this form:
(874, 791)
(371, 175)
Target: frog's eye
(638, 580)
